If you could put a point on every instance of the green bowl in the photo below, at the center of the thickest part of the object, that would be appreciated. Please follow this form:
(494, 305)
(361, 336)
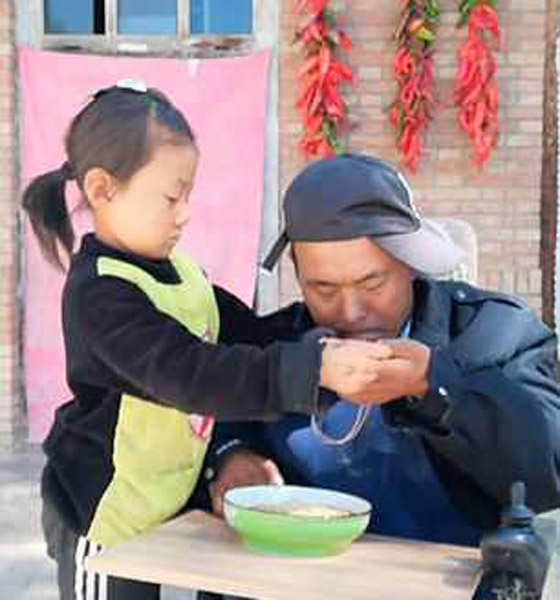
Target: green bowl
(256, 513)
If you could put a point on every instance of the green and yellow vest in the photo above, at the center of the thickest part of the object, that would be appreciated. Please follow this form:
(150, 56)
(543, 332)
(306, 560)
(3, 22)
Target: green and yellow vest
(158, 451)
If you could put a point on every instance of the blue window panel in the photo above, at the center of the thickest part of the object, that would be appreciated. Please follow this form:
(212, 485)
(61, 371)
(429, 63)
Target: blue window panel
(221, 16)
(147, 17)
(74, 17)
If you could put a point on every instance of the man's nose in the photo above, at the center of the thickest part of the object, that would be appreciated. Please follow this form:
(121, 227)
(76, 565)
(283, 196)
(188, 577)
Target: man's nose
(352, 310)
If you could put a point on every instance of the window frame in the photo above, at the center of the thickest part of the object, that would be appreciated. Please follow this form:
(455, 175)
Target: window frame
(182, 44)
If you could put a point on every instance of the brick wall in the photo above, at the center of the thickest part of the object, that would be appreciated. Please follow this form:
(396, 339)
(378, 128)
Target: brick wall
(502, 202)
(9, 367)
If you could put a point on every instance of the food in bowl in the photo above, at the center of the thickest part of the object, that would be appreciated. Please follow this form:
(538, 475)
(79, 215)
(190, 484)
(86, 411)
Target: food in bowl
(296, 520)
(305, 510)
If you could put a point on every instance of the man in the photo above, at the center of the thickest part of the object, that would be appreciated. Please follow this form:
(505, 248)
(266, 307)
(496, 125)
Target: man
(467, 401)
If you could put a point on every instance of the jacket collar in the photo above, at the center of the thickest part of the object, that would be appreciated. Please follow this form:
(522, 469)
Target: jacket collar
(431, 314)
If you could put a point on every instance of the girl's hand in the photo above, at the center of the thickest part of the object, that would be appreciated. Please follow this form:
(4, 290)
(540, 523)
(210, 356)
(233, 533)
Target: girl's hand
(351, 367)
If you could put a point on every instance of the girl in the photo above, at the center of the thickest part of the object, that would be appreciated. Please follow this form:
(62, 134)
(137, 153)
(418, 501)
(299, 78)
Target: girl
(140, 325)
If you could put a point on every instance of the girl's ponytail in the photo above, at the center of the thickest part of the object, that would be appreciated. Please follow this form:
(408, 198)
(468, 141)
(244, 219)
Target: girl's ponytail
(45, 203)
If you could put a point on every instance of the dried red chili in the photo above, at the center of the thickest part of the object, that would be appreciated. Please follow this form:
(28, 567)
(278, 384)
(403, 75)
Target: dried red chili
(476, 91)
(323, 109)
(412, 110)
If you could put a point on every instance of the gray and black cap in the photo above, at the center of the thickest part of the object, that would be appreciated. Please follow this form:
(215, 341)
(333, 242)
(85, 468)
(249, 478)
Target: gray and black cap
(352, 196)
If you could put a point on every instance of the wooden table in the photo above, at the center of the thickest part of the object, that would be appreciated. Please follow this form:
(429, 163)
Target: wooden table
(198, 551)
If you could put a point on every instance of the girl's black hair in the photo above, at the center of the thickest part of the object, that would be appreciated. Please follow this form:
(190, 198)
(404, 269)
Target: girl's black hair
(117, 131)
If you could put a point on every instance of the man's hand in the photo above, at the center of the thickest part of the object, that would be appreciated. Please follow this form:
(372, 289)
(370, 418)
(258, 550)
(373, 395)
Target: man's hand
(239, 469)
(404, 372)
(350, 366)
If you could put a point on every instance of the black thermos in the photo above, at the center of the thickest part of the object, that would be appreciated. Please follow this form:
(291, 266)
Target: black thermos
(515, 557)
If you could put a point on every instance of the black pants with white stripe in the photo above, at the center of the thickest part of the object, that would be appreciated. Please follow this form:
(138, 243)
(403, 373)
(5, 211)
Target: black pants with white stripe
(74, 582)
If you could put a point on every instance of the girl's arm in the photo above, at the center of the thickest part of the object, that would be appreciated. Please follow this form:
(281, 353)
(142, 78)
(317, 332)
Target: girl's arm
(239, 324)
(116, 338)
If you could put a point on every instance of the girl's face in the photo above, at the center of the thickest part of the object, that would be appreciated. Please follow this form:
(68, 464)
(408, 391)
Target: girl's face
(147, 214)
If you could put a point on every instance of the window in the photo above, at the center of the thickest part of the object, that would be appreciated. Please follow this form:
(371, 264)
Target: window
(221, 16)
(69, 16)
(147, 18)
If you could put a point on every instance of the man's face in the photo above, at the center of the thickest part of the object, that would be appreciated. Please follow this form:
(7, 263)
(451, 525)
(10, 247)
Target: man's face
(354, 287)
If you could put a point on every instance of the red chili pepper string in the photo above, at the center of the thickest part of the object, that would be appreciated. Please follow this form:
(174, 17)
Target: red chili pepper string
(476, 91)
(412, 110)
(324, 112)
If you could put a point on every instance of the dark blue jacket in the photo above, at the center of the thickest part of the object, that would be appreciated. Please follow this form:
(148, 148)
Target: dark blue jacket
(492, 417)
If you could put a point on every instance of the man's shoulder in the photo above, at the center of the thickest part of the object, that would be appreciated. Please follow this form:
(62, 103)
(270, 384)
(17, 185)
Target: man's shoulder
(463, 293)
(496, 324)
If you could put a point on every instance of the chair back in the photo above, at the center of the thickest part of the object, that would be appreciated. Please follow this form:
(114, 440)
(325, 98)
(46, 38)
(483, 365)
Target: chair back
(464, 235)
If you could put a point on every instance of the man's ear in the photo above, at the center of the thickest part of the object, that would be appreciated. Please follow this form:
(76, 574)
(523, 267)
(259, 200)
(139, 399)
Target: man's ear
(99, 187)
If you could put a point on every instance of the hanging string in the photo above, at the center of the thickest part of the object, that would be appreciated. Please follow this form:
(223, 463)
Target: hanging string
(358, 424)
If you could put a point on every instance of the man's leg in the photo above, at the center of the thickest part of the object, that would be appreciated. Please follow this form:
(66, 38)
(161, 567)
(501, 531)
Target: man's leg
(125, 589)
